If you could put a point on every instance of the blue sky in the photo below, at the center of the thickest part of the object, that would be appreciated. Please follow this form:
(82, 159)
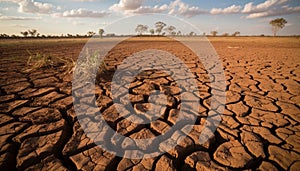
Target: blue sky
(80, 16)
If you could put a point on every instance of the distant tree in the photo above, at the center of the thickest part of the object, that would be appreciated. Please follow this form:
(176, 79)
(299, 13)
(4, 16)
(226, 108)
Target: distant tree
(225, 34)
(151, 31)
(140, 29)
(179, 33)
(204, 34)
(191, 33)
(101, 31)
(214, 33)
(237, 33)
(170, 30)
(159, 27)
(32, 32)
(277, 24)
(90, 33)
(4, 36)
(24, 33)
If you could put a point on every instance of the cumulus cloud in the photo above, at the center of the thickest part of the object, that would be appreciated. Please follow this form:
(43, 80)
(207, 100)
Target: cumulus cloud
(81, 12)
(183, 9)
(229, 10)
(268, 8)
(30, 6)
(262, 7)
(176, 7)
(148, 9)
(127, 5)
(285, 10)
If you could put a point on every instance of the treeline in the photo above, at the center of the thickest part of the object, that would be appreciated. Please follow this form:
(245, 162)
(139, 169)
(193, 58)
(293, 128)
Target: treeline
(33, 33)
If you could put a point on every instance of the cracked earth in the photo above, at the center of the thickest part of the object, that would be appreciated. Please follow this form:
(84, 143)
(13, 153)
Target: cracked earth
(259, 130)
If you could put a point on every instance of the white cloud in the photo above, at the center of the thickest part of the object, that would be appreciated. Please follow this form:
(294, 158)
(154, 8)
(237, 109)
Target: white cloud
(176, 7)
(229, 10)
(284, 10)
(262, 7)
(18, 18)
(30, 6)
(125, 5)
(148, 9)
(80, 13)
(183, 9)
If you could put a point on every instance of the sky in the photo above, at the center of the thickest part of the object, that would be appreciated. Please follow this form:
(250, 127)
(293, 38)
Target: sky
(56, 17)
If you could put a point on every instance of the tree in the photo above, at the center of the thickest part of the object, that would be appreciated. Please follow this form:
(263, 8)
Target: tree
(214, 33)
(159, 27)
(237, 33)
(141, 29)
(32, 32)
(277, 24)
(90, 34)
(179, 33)
(170, 30)
(151, 31)
(191, 33)
(24, 33)
(225, 34)
(101, 31)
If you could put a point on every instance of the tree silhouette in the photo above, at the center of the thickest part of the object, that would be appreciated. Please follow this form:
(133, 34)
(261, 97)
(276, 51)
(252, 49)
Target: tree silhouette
(141, 29)
(159, 26)
(277, 24)
(90, 33)
(101, 31)
(24, 33)
(214, 33)
(236, 33)
(32, 32)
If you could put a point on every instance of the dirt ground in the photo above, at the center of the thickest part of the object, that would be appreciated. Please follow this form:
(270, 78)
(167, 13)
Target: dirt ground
(259, 130)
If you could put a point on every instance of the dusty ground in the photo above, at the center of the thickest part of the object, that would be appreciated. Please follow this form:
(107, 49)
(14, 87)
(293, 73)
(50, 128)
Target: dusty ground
(260, 127)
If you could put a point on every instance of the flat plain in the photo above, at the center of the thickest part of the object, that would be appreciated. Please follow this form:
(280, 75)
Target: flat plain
(259, 130)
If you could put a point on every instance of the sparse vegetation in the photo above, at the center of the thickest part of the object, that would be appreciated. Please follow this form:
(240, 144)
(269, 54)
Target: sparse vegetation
(39, 60)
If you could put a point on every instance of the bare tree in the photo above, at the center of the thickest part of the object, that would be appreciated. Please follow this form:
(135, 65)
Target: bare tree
(141, 29)
(214, 33)
(277, 24)
(101, 31)
(159, 27)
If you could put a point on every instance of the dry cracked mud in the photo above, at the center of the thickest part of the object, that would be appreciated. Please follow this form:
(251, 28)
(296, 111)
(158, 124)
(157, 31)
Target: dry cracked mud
(259, 130)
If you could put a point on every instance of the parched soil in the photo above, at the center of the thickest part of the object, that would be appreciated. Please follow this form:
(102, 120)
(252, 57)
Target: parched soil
(259, 130)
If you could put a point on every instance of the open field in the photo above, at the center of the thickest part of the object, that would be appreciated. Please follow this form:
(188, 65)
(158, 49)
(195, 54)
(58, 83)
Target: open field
(259, 130)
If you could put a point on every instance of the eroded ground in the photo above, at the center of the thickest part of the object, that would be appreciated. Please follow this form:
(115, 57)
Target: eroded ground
(259, 130)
